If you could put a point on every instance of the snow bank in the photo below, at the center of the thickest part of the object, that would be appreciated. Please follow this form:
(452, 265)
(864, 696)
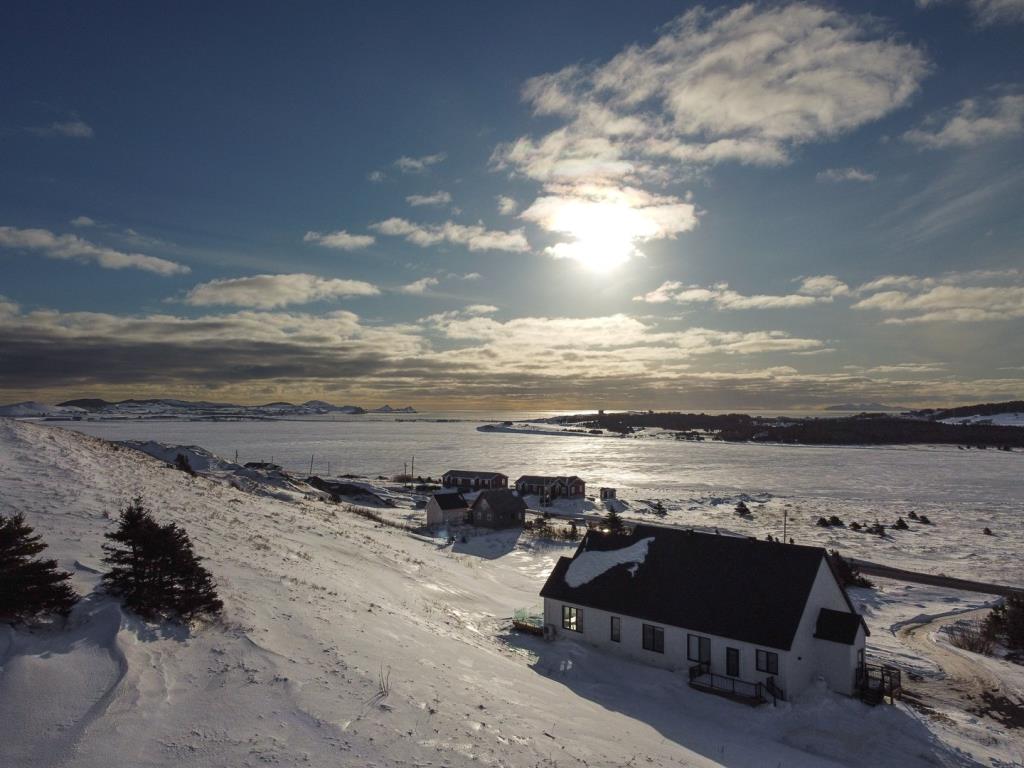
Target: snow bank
(589, 565)
(200, 459)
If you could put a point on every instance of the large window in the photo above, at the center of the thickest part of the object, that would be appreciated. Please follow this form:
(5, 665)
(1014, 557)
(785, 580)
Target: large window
(654, 638)
(767, 662)
(732, 662)
(570, 618)
(616, 635)
(698, 648)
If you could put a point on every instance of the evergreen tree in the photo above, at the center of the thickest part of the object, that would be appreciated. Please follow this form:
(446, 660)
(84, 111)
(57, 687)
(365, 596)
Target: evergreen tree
(29, 587)
(181, 462)
(613, 522)
(155, 569)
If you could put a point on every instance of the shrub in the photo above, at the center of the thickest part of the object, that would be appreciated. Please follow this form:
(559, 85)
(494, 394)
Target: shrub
(834, 520)
(900, 524)
(29, 588)
(987, 531)
(923, 519)
(182, 463)
(971, 636)
(1015, 622)
(912, 515)
(155, 570)
(855, 526)
(822, 522)
(742, 509)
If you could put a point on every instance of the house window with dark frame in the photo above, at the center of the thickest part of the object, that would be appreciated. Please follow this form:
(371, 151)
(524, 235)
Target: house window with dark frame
(570, 618)
(616, 630)
(698, 648)
(654, 638)
(767, 662)
(732, 662)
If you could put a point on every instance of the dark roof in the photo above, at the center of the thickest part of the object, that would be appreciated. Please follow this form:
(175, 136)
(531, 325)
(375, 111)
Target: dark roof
(729, 586)
(546, 480)
(501, 500)
(472, 473)
(450, 501)
(838, 626)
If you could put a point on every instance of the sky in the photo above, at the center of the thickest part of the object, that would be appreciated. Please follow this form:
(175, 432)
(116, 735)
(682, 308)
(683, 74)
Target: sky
(544, 205)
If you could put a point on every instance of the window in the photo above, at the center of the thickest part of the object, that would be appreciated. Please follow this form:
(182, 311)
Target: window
(616, 635)
(570, 618)
(698, 648)
(767, 662)
(654, 638)
(732, 662)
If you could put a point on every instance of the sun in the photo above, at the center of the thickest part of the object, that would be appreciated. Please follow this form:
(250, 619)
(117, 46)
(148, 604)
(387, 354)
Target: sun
(604, 233)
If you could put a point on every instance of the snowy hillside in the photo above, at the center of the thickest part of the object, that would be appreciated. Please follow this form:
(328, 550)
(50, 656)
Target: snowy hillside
(348, 643)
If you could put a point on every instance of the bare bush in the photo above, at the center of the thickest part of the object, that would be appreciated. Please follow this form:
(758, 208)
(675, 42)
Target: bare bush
(971, 636)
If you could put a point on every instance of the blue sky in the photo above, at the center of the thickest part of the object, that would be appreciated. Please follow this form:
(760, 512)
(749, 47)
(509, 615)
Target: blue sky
(554, 205)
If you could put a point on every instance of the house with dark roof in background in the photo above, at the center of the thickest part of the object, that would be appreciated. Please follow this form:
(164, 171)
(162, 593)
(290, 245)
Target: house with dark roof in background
(447, 509)
(551, 487)
(760, 619)
(498, 509)
(473, 480)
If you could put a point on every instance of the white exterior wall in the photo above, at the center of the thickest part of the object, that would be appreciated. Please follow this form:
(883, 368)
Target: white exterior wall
(596, 630)
(807, 659)
(438, 516)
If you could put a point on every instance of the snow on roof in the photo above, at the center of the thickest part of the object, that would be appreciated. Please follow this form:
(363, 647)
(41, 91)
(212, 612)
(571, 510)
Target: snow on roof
(591, 564)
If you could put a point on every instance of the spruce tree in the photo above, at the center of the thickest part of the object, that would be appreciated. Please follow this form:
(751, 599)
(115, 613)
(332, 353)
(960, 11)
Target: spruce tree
(155, 570)
(613, 522)
(29, 588)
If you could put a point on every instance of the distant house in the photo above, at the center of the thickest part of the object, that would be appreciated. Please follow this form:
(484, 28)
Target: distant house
(565, 487)
(467, 480)
(607, 494)
(760, 618)
(447, 509)
(498, 509)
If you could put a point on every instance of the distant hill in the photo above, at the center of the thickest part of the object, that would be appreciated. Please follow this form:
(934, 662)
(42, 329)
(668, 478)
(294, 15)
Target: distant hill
(86, 403)
(864, 407)
(983, 409)
(95, 407)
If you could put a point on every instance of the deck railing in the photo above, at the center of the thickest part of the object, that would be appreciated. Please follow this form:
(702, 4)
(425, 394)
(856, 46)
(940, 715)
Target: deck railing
(702, 677)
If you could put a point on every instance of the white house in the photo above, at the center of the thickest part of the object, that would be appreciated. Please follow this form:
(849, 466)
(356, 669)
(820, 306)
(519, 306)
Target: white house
(754, 618)
(447, 509)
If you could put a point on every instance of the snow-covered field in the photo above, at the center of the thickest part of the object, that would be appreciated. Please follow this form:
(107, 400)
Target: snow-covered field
(320, 603)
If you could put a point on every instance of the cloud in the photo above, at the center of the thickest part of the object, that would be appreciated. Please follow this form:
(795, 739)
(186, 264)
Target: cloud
(723, 297)
(82, 221)
(744, 85)
(507, 206)
(604, 224)
(74, 129)
(436, 199)
(823, 285)
(472, 276)
(988, 12)
(341, 240)
(420, 286)
(845, 174)
(973, 122)
(475, 236)
(72, 247)
(376, 176)
(957, 297)
(272, 291)
(419, 164)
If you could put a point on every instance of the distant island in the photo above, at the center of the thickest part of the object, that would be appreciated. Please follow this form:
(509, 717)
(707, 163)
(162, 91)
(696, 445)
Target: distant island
(988, 425)
(90, 407)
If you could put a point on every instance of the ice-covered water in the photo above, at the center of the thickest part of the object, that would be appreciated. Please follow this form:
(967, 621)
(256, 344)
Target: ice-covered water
(384, 446)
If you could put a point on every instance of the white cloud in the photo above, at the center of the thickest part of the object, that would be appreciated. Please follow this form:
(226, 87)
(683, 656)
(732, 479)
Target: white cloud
(475, 236)
(271, 291)
(74, 129)
(341, 240)
(472, 276)
(72, 247)
(507, 205)
(974, 121)
(82, 221)
(845, 174)
(437, 199)
(958, 297)
(988, 12)
(723, 297)
(419, 164)
(823, 285)
(376, 176)
(744, 85)
(420, 286)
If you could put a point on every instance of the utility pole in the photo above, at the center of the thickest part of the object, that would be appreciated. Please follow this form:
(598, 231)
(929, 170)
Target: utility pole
(413, 472)
(311, 463)
(785, 519)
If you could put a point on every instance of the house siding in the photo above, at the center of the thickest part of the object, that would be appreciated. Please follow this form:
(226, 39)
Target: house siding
(438, 516)
(806, 660)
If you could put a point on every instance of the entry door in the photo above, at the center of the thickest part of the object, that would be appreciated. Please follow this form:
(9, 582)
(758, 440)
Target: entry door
(732, 662)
